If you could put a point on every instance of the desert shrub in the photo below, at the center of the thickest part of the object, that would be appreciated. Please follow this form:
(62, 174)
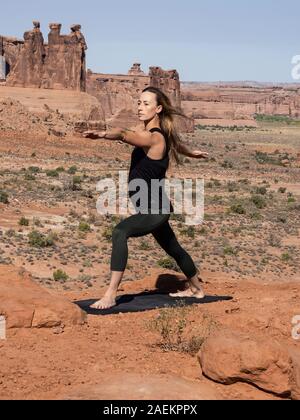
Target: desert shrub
(259, 201)
(177, 332)
(39, 240)
(34, 169)
(23, 221)
(60, 275)
(52, 173)
(261, 190)
(84, 226)
(3, 197)
(72, 170)
(238, 208)
(168, 263)
(189, 231)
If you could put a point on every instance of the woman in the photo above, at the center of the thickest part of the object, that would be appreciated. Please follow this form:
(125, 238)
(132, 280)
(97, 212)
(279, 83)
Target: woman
(154, 147)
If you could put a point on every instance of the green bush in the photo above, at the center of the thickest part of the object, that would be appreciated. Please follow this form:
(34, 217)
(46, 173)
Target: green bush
(259, 201)
(232, 186)
(282, 190)
(273, 159)
(144, 246)
(237, 208)
(60, 275)
(261, 190)
(286, 257)
(168, 263)
(107, 234)
(177, 332)
(52, 173)
(39, 240)
(23, 221)
(72, 170)
(34, 169)
(189, 231)
(84, 226)
(227, 165)
(3, 197)
(77, 180)
(228, 250)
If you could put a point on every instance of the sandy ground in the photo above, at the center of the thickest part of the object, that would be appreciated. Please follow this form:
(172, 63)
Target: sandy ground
(252, 255)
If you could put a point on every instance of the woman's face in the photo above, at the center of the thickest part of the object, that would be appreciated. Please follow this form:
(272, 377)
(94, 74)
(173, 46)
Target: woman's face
(147, 106)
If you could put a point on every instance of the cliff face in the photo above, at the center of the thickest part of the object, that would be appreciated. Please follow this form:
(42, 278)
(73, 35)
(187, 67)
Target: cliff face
(235, 102)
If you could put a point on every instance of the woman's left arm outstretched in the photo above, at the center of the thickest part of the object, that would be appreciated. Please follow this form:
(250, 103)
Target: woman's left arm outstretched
(134, 137)
(184, 150)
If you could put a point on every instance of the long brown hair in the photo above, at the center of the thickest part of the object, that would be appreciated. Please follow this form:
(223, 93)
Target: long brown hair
(167, 122)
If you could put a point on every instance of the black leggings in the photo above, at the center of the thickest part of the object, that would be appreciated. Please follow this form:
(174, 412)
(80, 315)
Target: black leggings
(142, 224)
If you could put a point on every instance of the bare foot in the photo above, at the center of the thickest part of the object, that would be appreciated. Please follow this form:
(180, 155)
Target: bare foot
(194, 289)
(105, 303)
(199, 294)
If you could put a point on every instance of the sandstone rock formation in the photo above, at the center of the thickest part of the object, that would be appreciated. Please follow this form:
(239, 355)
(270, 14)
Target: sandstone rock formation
(136, 70)
(28, 68)
(60, 64)
(65, 66)
(10, 50)
(28, 305)
(229, 357)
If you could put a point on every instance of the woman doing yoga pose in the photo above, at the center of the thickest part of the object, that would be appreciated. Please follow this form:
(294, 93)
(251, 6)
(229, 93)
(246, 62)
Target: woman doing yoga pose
(154, 147)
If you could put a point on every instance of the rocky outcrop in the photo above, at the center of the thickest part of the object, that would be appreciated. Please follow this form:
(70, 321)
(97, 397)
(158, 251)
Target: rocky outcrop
(65, 65)
(136, 70)
(60, 64)
(10, 50)
(229, 357)
(168, 81)
(29, 66)
(28, 305)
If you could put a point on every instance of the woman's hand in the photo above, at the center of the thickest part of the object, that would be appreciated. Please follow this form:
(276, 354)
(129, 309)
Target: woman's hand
(199, 155)
(94, 134)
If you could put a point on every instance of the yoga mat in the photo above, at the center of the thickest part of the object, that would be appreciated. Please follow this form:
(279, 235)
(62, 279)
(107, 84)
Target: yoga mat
(146, 301)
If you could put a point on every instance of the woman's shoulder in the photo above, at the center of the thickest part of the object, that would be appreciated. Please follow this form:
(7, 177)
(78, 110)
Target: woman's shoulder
(157, 129)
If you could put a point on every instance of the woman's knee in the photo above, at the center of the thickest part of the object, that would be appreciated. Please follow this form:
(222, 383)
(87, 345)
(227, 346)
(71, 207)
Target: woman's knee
(119, 234)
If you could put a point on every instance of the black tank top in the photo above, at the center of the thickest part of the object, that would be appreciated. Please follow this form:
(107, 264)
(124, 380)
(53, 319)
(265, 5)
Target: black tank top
(146, 168)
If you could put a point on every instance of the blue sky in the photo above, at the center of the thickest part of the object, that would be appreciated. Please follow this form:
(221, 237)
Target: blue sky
(212, 40)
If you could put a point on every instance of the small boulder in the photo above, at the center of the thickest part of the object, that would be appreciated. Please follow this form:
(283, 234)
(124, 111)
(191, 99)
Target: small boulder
(229, 357)
(25, 304)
